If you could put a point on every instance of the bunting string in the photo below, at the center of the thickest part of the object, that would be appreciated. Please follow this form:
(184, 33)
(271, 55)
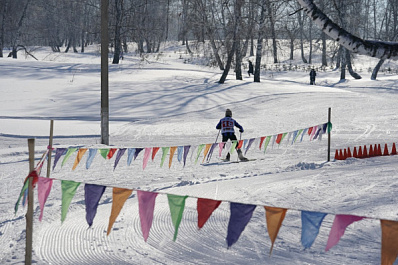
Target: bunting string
(240, 215)
(205, 150)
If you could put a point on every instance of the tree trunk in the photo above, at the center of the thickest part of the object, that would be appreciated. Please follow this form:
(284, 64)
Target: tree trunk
(324, 60)
(349, 65)
(118, 25)
(237, 12)
(301, 23)
(376, 69)
(273, 34)
(378, 49)
(2, 31)
(257, 65)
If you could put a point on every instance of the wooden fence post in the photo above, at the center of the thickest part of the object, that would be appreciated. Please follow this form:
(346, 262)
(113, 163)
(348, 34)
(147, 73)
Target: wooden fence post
(29, 213)
(50, 146)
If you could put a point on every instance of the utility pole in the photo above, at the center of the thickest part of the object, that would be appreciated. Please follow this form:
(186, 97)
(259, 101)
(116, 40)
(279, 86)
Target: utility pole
(104, 73)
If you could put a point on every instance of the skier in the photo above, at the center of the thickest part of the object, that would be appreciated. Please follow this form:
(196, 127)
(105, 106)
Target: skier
(226, 125)
(250, 68)
(312, 76)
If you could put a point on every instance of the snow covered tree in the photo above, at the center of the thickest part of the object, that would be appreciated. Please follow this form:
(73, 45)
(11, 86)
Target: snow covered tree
(373, 48)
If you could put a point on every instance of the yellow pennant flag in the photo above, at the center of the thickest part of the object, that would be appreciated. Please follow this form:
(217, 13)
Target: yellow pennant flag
(172, 151)
(389, 242)
(79, 156)
(119, 197)
(274, 218)
(207, 148)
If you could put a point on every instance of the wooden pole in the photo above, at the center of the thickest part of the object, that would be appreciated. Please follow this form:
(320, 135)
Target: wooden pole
(50, 146)
(104, 73)
(329, 140)
(29, 213)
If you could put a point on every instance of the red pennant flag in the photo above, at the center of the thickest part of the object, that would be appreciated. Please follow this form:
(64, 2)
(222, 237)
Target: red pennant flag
(205, 208)
(261, 141)
(112, 151)
(240, 144)
(154, 151)
(279, 138)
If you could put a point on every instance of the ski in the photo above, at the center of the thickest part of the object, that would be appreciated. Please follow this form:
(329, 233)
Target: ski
(225, 162)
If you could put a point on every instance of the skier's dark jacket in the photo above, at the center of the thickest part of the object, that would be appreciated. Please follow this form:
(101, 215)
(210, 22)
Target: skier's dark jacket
(227, 125)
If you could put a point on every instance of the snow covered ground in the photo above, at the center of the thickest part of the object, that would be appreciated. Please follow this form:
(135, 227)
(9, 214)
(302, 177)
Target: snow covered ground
(162, 101)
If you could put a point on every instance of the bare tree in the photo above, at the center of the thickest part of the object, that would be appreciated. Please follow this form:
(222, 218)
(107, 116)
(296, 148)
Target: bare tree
(378, 49)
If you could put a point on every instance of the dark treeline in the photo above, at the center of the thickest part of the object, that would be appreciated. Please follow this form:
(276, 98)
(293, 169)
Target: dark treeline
(230, 29)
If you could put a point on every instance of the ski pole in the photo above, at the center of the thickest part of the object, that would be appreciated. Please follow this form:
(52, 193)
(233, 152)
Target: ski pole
(209, 157)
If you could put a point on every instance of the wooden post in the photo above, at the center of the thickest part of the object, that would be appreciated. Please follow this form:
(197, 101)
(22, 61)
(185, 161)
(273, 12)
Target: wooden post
(29, 213)
(329, 122)
(104, 73)
(50, 146)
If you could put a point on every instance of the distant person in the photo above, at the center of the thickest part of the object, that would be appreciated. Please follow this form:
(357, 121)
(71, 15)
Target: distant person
(250, 68)
(312, 76)
(226, 125)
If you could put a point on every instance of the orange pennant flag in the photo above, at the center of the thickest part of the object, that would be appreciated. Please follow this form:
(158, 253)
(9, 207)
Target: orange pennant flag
(389, 242)
(79, 156)
(274, 218)
(172, 151)
(119, 197)
(207, 148)
(279, 138)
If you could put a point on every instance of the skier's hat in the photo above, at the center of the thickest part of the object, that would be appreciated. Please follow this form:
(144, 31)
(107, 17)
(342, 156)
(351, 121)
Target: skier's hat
(228, 113)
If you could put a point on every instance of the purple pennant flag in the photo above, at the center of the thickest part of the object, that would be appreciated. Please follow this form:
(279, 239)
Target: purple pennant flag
(213, 146)
(240, 217)
(186, 151)
(249, 144)
(92, 196)
(119, 155)
(137, 151)
(58, 153)
(311, 222)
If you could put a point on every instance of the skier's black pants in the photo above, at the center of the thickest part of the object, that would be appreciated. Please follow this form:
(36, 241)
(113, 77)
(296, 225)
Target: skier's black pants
(229, 136)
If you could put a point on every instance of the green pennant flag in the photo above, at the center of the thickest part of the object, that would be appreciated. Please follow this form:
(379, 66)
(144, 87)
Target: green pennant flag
(298, 134)
(104, 152)
(177, 205)
(283, 136)
(233, 146)
(267, 140)
(329, 127)
(68, 191)
(68, 154)
(24, 188)
(165, 151)
(200, 148)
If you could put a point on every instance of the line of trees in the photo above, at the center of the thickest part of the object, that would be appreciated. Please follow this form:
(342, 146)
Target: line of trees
(231, 29)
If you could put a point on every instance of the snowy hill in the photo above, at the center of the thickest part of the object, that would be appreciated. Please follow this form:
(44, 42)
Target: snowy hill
(164, 101)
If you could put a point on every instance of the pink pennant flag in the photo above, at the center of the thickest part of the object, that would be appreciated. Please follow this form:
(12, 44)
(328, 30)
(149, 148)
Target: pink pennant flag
(221, 145)
(147, 154)
(146, 205)
(313, 131)
(340, 223)
(43, 190)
